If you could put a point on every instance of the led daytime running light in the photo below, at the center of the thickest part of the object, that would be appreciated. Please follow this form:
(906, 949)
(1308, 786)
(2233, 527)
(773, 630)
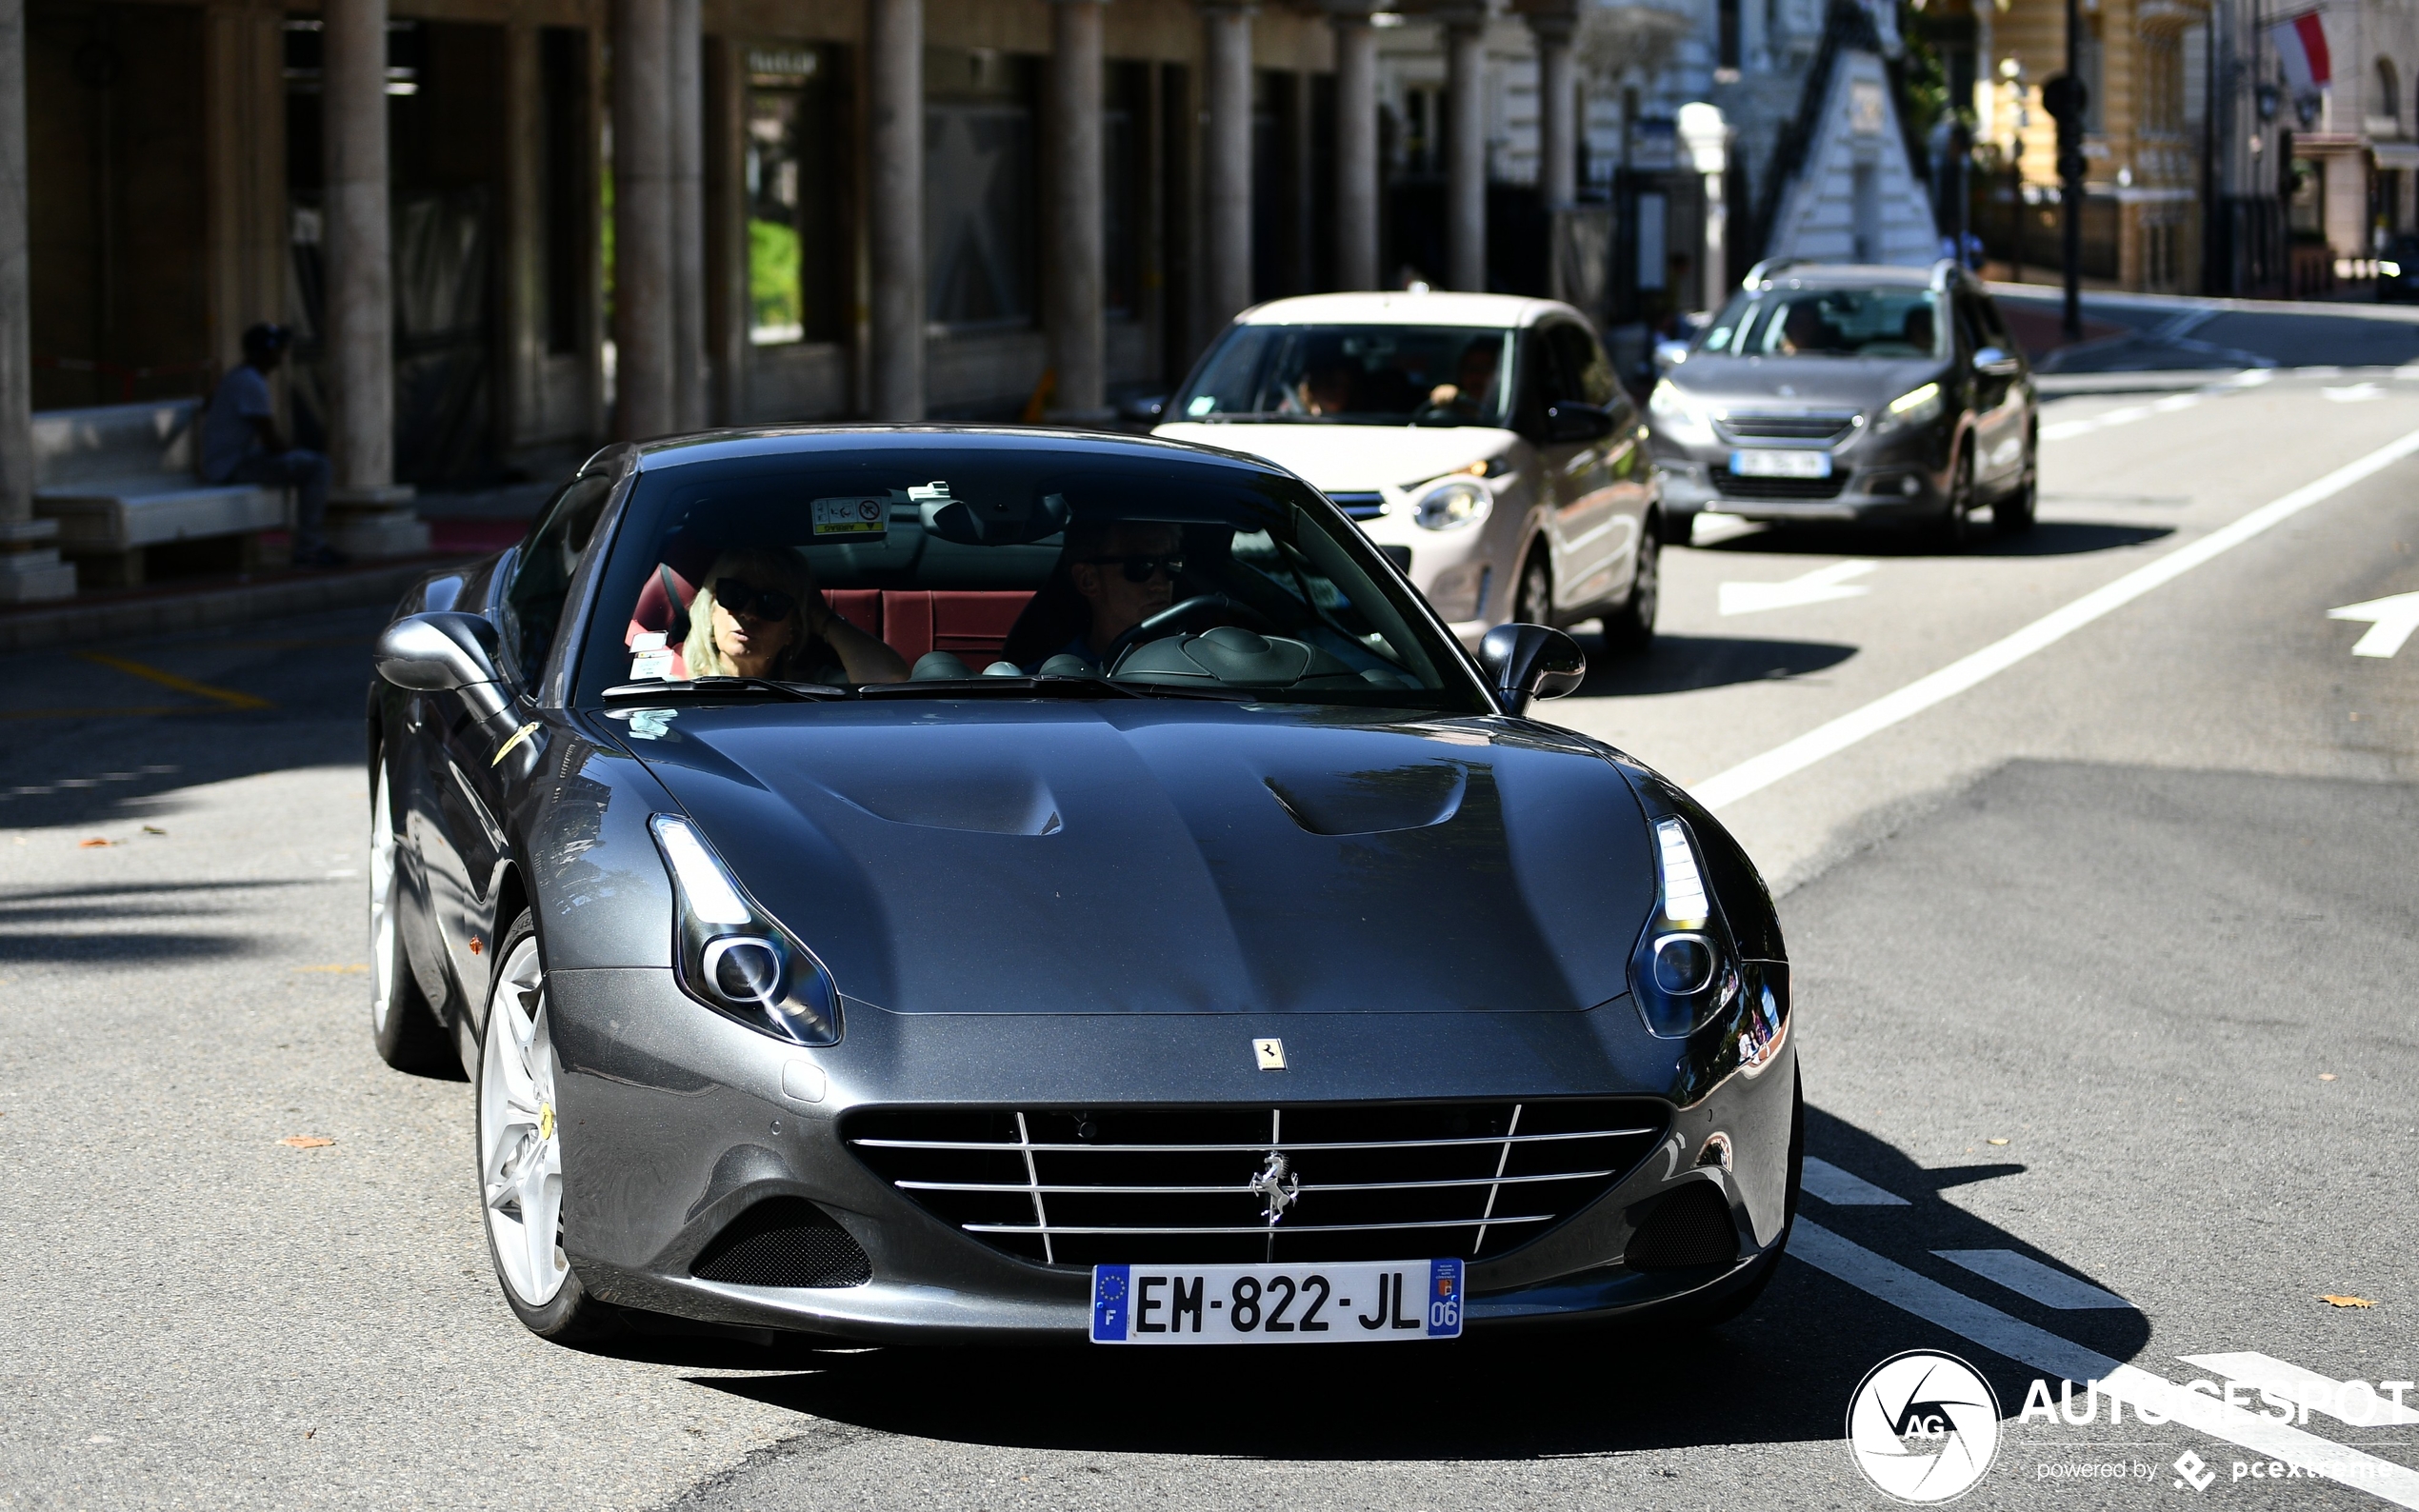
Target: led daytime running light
(1915, 399)
(712, 897)
(1684, 899)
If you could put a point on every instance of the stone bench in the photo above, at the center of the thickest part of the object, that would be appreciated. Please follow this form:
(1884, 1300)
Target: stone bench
(120, 479)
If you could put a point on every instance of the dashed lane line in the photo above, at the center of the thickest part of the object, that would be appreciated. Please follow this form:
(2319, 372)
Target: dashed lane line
(2064, 1360)
(2027, 1277)
(1759, 772)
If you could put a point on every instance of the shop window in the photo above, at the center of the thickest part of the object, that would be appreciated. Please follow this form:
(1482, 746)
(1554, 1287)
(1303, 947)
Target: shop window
(795, 235)
(979, 187)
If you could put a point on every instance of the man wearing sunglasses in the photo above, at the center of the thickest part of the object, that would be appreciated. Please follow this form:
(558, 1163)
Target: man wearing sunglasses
(1125, 572)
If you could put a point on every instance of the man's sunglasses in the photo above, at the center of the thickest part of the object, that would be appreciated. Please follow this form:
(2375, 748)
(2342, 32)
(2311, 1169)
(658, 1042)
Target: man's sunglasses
(741, 597)
(1142, 568)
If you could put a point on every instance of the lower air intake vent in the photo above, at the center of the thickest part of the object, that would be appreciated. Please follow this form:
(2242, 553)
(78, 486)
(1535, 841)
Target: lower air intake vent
(784, 1241)
(1205, 1185)
(1689, 1228)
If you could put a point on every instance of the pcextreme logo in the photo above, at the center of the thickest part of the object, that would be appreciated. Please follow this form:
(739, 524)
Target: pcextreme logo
(1923, 1427)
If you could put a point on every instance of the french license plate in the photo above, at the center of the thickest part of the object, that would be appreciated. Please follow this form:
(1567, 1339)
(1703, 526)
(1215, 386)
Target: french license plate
(1363, 1303)
(1781, 464)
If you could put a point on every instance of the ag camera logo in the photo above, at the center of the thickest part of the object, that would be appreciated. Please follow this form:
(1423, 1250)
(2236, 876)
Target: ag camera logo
(1923, 1427)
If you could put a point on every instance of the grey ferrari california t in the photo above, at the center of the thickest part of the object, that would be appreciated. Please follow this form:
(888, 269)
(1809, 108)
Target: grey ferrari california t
(928, 884)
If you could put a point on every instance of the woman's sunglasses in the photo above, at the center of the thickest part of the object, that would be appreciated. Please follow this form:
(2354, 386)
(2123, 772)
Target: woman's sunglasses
(1142, 568)
(746, 598)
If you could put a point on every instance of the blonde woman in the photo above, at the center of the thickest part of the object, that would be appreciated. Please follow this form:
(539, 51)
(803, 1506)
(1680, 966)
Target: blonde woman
(759, 614)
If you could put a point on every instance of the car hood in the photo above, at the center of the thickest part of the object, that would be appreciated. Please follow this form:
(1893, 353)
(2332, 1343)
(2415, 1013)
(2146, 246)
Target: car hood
(1173, 857)
(1816, 383)
(1336, 459)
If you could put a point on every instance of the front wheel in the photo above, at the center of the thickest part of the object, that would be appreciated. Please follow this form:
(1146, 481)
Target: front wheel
(2014, 514)
(520, 1144)
(402, 1025)
(1955, 526)
(1533, 599)
(1631, 626)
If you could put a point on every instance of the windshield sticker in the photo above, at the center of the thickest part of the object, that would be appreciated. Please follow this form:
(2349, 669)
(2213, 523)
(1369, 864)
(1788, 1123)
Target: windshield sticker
(650, 667)
(854, 518)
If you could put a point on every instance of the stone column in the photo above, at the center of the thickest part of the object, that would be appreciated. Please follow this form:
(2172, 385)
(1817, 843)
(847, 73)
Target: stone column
(688, 100)
(368, 513)
(894, 78)
(1078, 330)
(30, 567)
(643, 220)
(1356, 164)
(1225, 152)
(1466, 147)
(1557, 110)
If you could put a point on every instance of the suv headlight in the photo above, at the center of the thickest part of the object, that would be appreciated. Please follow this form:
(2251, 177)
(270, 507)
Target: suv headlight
(735, 958)
(1669, 410)
(1685, 969)
(1454, 506)
(1913, 407)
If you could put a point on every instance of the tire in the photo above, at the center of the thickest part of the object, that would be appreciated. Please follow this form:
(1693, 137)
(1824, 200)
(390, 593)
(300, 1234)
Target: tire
(1629, 630)
(2014, 514)
(1534, 597)
(402, 1024)
(1955, 526)
(519, 1145)
(1679, 526)
(1747, 1296)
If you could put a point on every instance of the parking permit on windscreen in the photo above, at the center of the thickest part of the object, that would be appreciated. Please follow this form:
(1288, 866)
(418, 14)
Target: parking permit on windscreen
(857, 517)
(650, 658)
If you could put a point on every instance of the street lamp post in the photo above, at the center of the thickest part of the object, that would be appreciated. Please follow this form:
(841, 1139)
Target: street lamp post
(2066, 98)
(1707, 136)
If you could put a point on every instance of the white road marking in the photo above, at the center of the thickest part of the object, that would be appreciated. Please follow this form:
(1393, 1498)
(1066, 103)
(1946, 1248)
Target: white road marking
(2358, 1407)
(2250, 378)
(2391, 621)
(1841, 1190)
(1759, 772)
(2027, 1277)
(2353, 393)
(2064, 1360)
(1818, 587)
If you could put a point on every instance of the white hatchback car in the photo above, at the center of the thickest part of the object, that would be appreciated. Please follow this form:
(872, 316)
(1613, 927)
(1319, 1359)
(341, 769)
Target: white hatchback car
(1479, 439)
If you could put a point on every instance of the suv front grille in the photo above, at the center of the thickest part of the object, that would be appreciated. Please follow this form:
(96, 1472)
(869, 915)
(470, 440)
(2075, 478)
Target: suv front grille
(1790, 425)
(1724, 480)
(1193, 1185)
(1359, 506)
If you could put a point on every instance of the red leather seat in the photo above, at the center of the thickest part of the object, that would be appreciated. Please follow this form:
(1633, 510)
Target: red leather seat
(971, 625)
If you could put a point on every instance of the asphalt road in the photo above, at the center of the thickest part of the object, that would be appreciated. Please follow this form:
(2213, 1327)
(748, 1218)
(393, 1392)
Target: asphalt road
(2104, 965)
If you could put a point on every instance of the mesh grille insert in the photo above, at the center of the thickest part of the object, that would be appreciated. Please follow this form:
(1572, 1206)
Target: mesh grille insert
(1689, 1228)
(784, 1242)
(1208, 1185)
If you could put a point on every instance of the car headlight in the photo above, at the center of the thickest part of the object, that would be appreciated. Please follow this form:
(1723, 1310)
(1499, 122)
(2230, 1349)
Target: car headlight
(1669, 410)
(1912, 408)
(1685, 969)
(1454, 506)
(2388, 270)
(735, 958)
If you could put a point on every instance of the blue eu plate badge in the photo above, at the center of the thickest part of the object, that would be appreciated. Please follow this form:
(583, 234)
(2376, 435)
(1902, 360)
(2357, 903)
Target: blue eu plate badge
(1109, 1283)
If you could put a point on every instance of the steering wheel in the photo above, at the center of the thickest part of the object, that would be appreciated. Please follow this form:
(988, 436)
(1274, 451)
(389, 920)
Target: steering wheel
(1200, 612)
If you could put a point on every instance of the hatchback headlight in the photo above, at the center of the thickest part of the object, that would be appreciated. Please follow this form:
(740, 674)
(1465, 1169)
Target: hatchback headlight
(1912, 408)
(1685, 969)
(735, 958)
(1454, 506)
(1669, 410)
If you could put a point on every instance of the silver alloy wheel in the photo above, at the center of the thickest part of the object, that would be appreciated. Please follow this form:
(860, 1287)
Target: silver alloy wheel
(1646, 583)
(1536, 602)
(385, 894)
(520, 1147)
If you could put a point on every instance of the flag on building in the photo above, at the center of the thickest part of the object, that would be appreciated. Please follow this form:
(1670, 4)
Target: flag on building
(2301, 45)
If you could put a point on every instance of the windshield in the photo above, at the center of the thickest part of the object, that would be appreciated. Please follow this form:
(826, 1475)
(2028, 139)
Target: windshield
(1355, 376)
(1830, 322)
(970, 565)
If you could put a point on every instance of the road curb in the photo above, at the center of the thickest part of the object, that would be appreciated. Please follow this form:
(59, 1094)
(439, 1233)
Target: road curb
(170, 613)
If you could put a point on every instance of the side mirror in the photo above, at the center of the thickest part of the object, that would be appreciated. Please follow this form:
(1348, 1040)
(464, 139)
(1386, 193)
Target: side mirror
(438, 653)
(1572, 421)
(1528, 662)
(1994, 361)
(1669, 354)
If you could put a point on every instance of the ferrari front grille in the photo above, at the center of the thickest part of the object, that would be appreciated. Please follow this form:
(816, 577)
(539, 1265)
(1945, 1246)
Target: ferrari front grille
(1208, 1185)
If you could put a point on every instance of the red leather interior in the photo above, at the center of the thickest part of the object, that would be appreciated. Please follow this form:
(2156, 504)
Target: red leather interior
(969, 624)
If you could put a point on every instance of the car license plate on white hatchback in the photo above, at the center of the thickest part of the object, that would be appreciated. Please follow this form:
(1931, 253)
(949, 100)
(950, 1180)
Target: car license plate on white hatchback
(1776, 463)
(1360, 1302)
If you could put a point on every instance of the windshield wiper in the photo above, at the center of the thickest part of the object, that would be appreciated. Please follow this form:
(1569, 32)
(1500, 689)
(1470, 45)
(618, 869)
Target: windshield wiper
(722, 688)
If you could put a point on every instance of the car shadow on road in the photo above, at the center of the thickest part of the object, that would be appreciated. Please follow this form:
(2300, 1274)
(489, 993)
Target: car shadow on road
(1683, 664)
(31, 922)
(1781, 1373)
(2047, 538)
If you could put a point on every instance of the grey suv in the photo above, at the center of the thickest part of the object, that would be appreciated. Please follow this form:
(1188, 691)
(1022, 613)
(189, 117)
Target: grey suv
(1832, 392)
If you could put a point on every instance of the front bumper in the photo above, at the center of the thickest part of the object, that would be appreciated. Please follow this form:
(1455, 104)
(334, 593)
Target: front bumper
(676, 1121)
(1877, 491)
